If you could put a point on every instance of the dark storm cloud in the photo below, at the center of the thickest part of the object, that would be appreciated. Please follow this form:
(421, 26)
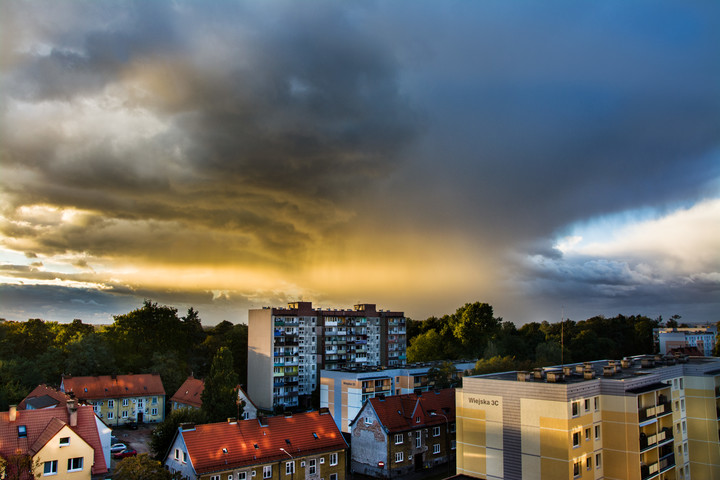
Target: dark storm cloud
(268, 120)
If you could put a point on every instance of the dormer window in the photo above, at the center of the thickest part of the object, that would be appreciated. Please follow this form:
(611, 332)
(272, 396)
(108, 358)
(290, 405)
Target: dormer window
(22, 431)
(417, 419)
(64, 441)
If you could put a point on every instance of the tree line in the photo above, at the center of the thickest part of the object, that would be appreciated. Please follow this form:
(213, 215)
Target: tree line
(473, 332)
(150, 339)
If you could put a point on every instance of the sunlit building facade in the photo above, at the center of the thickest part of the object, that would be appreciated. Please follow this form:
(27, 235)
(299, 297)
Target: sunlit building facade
(641, 418)
(287, 347)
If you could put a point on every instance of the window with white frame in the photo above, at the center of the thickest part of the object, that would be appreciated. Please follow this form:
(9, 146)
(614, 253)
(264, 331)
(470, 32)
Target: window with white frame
(576, 439)
(177, 454)
(289, 468)
(418, 439)
(125, 414)
(588, 463)
(126, 402)
(154, 400)
(587, 434)
(575, 409)
(312, 468)
(153, 411)
(140, 403)
(398, 438)
(64, 441)
(436, 448)
(110, 415)
(576, 469)
(368, 420)
(436, 431)
(333, 459)
(75, 464)
(111, 403)
(242, 476)
(597, 432)
(587, 404)
(598, 464)
(50, 468)
(398, 457)
(596, 401)
(333, 476)
(215, 477)
(267, 471)
(184, 457)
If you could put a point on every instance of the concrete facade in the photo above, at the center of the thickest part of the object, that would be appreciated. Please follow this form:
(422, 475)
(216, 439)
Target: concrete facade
(287, 348)
(638, 419)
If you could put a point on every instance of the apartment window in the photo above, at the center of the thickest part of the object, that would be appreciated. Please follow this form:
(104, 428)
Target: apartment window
(333, 459)
(588, 463)
(681, 384)
(184, 455)
(154, 400)
(64, 441)
(153, 411)
(686, 449)
(289, 468)
(126, 402)
(677, 405)
(452, 428)
(587, 434)
(575, 409)
(267, 471)
(177, 454)
(417, 419)
(436, 431)
(682, 404)
(140, 403)
(436, 448)
(597, 432)
(75, 464)
(452, 444)
(125, 414)
(418, 439)
(333, 476)
(675, 383)
(50, 468)
(597, 460)
(215, 477)
(398, 438)
(684, 425)
(110, 415)
(111, 403)
(311, 467)
(576, 439)
(597, 403)
(576, 469)
(398, 457)
(242, 476)
(587, 404)
(368, 420)
(677, 428)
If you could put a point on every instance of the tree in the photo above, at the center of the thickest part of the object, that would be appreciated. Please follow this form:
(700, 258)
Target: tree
(497, 364)
(425, 347)
(474, 325)
(142, 467)
(444, 375)
(219, 398)
(164, 433)
(19, 467)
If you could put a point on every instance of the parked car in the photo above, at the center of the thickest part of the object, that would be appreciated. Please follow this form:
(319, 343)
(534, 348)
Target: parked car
(117, 447)
(128, 452)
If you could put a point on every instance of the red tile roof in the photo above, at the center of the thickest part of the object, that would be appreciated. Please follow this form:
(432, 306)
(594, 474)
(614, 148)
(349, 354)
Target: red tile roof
(401, 412)
(43, 425)
(44, 391)
(249, 443)
(113, 386)
(189, 392)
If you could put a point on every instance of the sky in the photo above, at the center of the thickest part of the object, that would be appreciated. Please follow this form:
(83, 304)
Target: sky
(554, 159)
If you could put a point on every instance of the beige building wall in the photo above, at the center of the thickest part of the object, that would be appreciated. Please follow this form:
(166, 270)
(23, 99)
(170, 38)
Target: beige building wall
(260, 357)
(75, 447)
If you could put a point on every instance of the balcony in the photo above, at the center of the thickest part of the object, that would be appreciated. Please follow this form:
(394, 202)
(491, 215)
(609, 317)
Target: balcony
(667, 462)
(649, 470)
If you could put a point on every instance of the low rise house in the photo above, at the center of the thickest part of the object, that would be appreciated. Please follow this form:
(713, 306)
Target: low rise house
(346, 390)
(43, 397)
(305, 445)
(397, 435)
(120, 399)
(69, 442)
(189, 395)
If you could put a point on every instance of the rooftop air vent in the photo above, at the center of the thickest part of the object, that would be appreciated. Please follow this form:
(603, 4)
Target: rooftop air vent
(523, 376)
(555, 376)
(588, 374)
(608, 370)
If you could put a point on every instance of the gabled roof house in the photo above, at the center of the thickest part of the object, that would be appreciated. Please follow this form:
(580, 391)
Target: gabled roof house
(307, 444)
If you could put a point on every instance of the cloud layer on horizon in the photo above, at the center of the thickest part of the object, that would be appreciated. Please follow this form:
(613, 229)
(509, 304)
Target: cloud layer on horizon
(418, 157)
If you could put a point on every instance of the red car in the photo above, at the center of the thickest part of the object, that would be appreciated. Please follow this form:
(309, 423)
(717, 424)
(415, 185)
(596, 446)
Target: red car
(128, 452)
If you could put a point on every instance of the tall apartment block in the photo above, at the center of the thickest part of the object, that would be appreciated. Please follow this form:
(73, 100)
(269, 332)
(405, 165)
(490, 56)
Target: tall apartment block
(287, 347)
(641, 418)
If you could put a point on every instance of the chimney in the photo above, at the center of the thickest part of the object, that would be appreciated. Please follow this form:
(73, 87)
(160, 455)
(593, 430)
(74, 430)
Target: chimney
(12, 415)
(72, 412)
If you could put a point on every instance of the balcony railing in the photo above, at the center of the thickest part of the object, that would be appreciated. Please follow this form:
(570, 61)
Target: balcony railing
(651, 470)
(667, 462)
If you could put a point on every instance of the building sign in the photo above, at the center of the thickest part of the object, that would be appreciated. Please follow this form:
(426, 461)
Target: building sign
(484, 401)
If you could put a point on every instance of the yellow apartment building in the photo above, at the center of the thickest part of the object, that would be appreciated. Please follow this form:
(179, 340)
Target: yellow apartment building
(641, 418)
